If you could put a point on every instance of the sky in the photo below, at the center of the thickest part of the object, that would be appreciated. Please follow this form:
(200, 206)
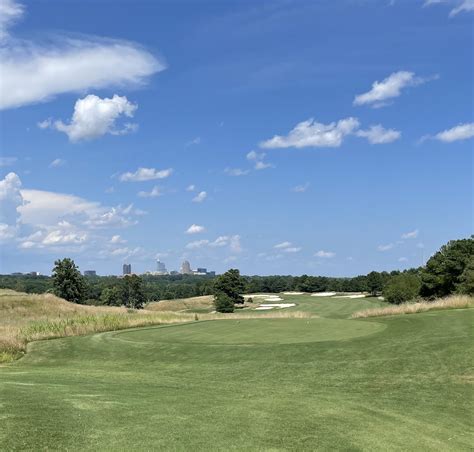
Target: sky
(277, 137)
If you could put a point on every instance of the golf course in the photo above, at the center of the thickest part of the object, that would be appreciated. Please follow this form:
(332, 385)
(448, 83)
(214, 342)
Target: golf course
(324, 381)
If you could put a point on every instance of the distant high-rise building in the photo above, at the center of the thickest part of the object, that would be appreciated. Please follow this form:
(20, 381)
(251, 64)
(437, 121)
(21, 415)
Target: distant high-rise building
(90, 273)
(201, 270)
(127, 269)
(160, 267)
(186, 268)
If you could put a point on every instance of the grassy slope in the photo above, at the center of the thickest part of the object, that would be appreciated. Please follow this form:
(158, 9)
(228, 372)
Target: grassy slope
(407, 384)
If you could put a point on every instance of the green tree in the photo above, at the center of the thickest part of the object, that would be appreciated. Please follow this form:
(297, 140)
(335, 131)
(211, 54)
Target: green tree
(131, 293)
(442, 274)
(466, 285)
(227, 291)
(374, 282)
(402, 288)
(68, 282)
(110, 296)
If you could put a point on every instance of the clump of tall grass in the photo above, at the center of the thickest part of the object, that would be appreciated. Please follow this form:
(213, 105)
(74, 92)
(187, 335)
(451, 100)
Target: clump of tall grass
(452, 302)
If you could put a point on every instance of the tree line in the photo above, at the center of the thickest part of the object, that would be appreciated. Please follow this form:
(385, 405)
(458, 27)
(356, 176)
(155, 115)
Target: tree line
(449, 270)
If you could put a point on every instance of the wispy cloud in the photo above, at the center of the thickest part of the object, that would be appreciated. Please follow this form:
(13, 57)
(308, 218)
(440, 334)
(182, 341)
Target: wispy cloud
(386, 247)
(144, 174)
(153, 193)
(411, 234)
(200, 197)
(301, 188)
(56, 163)
(389, 88)
(325, 254)
(236, 172)
(196, 140)
(7, 161)
(377, 134)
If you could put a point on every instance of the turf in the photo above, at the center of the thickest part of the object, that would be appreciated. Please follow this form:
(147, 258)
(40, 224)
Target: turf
(390, 383)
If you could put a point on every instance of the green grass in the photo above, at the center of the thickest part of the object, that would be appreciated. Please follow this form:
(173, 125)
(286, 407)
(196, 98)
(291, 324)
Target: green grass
(328, 383)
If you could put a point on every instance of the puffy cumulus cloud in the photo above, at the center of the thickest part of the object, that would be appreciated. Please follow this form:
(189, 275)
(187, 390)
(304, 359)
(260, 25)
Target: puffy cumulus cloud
(117, 239)
(11, 200)
(10, 12)
(377, 134)
(153, 193)
(325, 254)
(389, 88)
(457, 133)
(314, 134)
(200, 197)
(63, 64)
(258, 159)
(94, 117)
(411, 234)
(195, 229)
(144, 174)
(282, 245)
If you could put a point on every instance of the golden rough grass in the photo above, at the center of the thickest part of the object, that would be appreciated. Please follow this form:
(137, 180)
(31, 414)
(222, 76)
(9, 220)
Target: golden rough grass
(182, 304)
(25, 318)
(451, 302)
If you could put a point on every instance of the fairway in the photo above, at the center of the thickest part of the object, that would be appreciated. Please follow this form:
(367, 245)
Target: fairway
(263, 384)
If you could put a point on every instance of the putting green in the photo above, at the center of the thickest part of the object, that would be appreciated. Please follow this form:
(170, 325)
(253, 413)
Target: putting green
(248, 332)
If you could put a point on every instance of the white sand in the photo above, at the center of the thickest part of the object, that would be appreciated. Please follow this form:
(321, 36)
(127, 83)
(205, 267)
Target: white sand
(277, 305)
(380, 298)
(259, 295)
(293, 293)
(353, 296)
(323, 294)
(264, 308)
(274, 299)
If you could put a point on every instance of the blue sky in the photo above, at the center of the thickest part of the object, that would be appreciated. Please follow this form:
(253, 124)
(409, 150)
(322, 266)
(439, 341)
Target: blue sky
(283, 137)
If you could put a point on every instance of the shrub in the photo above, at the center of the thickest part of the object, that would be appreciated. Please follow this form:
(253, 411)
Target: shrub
(223, 303)
(402, 288)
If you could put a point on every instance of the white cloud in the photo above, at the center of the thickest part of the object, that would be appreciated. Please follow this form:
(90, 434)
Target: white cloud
(144, 174)
(282, 245)
(465, 5)
(191, 187)
(10, 12)
(411, 234)
(314, 134)
(94, 117)
(252, 155)
(387, 247)
(300, 188)
(200, 197)
(457, 133)
(7, 161)
(325, 254)
(63, 64)
(462, 5)
(154, 193)
(197, 244)
(196, 140)
(262, 165)
(389, 88)
(117, 239)
(376, 134)
(11, 200)
(56, 163)
(195, 229)
(236, 172)
(287, 247)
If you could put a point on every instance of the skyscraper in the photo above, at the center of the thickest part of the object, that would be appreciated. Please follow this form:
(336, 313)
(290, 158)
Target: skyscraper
(127, 269)
(186, 268)
(160, 266)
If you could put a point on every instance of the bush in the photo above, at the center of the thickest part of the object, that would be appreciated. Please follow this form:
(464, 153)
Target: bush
(402, 288)
(223, 303)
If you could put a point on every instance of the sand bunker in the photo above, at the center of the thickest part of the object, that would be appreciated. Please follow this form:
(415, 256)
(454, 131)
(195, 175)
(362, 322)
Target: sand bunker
(293, 293)
(264, 308)
(277, 305)
(353, 296)
(274, 299)
(323, 294)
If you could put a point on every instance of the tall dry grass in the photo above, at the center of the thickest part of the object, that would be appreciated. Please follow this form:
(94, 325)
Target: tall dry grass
(25, 318)
(452, 302)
